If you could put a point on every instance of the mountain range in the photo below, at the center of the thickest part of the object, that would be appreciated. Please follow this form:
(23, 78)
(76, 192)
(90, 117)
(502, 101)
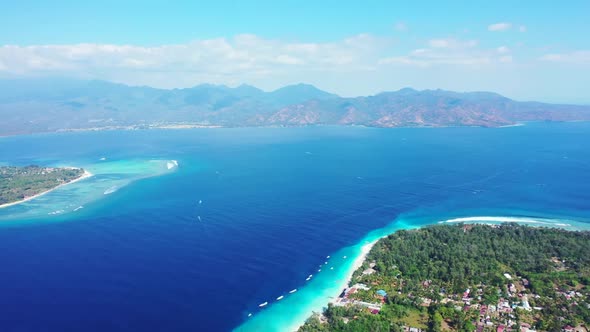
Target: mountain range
(48, 105)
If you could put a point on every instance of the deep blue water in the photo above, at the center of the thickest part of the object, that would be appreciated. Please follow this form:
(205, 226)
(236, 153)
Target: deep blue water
(275, 202)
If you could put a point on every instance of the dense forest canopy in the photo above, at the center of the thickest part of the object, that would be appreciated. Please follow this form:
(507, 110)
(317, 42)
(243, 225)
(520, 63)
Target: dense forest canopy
(18, 183)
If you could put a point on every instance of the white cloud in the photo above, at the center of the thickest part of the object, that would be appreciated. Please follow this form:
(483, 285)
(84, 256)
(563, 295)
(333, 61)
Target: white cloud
(289, 60)
(450, 51)
(502, 26)
(350, 65)
(451, 43)
(576, 57)
(431, 58)
(503, 50)
(438, 43)
(243, 58)
(400, 26)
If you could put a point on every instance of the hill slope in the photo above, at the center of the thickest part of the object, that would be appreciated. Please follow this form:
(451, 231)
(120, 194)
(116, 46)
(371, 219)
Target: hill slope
(45, 105)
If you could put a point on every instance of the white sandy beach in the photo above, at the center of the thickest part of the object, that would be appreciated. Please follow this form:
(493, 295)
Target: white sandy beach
(358, 262)
(490, 220)
(85, 175)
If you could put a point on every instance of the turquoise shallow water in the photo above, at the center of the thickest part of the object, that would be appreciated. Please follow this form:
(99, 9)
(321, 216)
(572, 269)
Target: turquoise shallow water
(291, 312)
(328, 282)
(107, 178)
(249, 214)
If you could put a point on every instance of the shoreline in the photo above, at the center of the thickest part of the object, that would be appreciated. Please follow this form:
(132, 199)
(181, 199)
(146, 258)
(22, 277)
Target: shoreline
(323, 320)
(207, 126)
(290, 316)
(293, 312)
(84, 175)
(357, 264)
(488, 220)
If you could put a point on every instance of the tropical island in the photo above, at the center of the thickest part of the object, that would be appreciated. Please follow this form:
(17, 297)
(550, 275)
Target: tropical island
(19, 184)
(467, 278)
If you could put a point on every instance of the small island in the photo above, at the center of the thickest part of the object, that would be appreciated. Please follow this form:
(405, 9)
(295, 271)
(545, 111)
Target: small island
(467, 278)
(20, 184)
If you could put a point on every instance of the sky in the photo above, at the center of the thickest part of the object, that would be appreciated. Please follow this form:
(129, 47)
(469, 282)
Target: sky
(526, 50)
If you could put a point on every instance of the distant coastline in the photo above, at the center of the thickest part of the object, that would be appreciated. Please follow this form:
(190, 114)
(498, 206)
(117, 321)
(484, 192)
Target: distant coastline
(140, 127)
(188, 126)
(184, 126)
(84, 175)
(214, 106)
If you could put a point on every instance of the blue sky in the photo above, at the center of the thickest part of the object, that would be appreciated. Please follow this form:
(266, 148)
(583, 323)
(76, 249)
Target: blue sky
(524, 49)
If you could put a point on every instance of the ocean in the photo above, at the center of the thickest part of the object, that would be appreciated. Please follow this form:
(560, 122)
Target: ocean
(191, 230)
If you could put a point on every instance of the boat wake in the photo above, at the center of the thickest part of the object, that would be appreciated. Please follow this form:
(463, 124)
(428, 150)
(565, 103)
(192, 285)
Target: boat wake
(111, 190)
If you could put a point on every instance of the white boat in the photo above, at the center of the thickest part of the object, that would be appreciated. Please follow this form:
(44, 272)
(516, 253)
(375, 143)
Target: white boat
(171, 164)
(280, 298)
(200, 201)
(199, 217)
(293, 291)
(319, 270)
(332, 268)
(344, 257)
(328, 257)
(263, 304)
(308, 279)
(249, 315)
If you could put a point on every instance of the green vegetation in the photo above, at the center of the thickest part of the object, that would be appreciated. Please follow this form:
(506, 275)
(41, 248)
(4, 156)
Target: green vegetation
(467, 278)
(18, 183)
